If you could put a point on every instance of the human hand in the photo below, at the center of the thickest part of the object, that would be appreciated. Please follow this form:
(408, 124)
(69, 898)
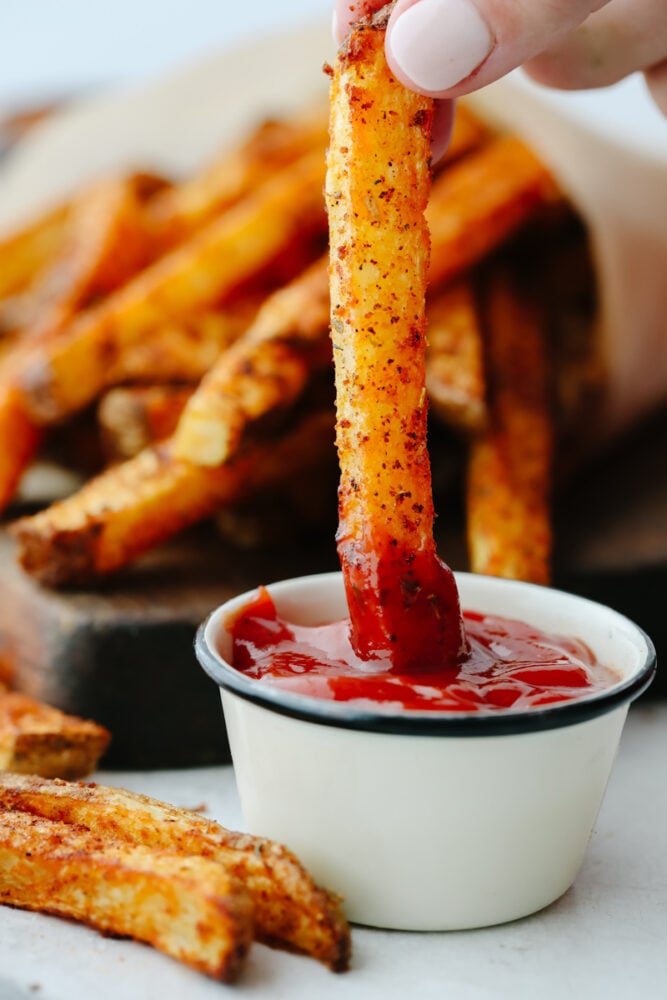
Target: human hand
(447, 48)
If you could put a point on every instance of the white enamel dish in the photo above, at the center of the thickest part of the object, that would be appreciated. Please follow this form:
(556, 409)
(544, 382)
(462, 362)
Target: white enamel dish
(435, 821)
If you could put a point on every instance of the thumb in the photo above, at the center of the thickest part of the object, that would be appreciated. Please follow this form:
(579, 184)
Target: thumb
(446, 48)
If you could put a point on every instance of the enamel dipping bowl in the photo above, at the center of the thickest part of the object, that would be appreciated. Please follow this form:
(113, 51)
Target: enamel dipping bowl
(437, 821)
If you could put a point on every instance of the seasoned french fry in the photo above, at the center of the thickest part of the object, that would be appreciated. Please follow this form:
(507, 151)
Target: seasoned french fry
(290, 910)
(184, 350)
(38, 739)
(482, 200)
(131, 418)
(179, 212)
(106, 240)
(26, 252)
(137, 504)
(187, 907)
(265, 370)
(509, 466)
(468, 132)
(20, 439)
(71, 371)
(406, 609)
(455, 378)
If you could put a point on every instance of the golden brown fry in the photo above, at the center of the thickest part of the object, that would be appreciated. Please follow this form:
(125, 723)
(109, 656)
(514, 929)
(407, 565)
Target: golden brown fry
(19, 440)
(179, 212)
(479, 202)
(405, 608)
(187, 907)
(26, 252)
(183, 351)
(106, 241)
(135, 505)
(38, 739)
(290, 910)
(265, 370)
(133, 417)
(455, 358)
(468, 132)
(509, 531)
(68, 373)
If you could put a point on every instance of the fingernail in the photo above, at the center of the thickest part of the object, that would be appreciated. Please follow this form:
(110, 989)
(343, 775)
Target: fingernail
(438, 43)
(334, 28)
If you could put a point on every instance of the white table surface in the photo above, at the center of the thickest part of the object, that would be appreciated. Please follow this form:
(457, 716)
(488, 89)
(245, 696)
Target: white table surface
(606, 939)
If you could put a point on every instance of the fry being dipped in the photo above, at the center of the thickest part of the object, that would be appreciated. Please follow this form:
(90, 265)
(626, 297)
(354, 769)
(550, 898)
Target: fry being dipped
(402, 599)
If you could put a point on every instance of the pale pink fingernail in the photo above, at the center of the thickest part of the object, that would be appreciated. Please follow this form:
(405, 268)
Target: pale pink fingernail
(438, 43)
(334, 28)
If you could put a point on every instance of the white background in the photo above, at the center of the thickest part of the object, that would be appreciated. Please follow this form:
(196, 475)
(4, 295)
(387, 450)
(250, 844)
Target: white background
(62, 46)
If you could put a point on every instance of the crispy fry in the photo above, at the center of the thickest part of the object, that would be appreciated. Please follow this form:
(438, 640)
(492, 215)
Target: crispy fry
(184, 351)
(134, 506)
(509, 467)
(19, 440)
(187, 907)
(290, 910)
(482, 200)
(454, 358)
(468, 133)
(131, 418)
(179, 212)
(105, 242)
(406, 608)
(26, 252)
(38, 739)
(265, 370)
(70, 372)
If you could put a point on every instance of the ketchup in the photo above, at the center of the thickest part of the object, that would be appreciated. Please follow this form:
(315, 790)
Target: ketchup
(509, 665)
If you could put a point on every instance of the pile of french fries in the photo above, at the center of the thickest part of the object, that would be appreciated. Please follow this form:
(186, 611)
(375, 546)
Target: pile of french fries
(188, 324)
(135, 867)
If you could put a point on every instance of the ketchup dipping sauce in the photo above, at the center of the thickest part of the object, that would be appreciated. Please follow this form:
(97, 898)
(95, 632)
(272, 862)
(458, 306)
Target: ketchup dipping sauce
(510, 665)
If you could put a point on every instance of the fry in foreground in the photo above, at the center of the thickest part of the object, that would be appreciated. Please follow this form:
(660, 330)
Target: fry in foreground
(290, 911)
(403, 601)
(189, 908)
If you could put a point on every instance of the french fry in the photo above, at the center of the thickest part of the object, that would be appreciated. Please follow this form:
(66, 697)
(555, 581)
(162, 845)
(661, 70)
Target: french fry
(468, 133)
(25, 253)
(265, 370)
(38, 739)
(455, 379)
(481, 201)
(275, 144)
(20, 439)
(186, 349)
(406, 608)
(290, 910)
(135, 505)
(133, 417)
(70, 372)
(509, 464)
(102, 241)
(187, 907)
(106, 241)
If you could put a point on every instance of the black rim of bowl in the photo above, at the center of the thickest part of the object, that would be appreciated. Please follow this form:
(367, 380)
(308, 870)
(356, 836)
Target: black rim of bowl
(343, 715)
